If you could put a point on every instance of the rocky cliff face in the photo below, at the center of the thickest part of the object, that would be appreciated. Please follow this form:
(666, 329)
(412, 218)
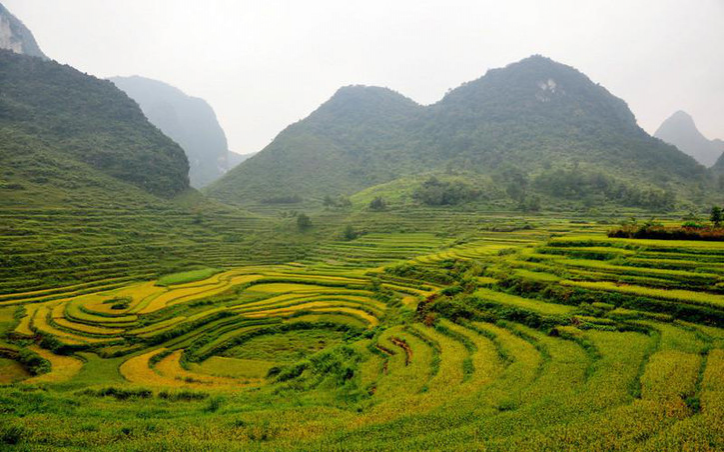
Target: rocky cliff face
(16, 37)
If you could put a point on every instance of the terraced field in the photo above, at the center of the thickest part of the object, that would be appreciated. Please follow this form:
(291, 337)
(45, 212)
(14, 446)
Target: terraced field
(93, 248)
(538, 338)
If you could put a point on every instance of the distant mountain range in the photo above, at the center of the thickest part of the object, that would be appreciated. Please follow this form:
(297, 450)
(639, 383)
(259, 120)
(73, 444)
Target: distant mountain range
(536, 116)
(16, 37)
(681, 131)
(189, 121)
(535, 127)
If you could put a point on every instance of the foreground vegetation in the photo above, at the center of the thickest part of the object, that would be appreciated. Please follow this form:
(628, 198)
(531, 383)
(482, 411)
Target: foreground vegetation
(550, 336)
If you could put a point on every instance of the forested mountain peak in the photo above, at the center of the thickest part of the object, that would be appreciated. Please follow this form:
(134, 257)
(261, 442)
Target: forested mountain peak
(361, 103)
(533, 115)
(535, 87)
(364, 96)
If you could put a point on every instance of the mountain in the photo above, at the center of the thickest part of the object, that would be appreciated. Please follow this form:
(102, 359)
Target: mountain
(718, 166)
(681, 131)
(189, 121)
(62, 128)
(16, 37)
(341, 147)
(534, 116)
(90, 190)
(235, 158)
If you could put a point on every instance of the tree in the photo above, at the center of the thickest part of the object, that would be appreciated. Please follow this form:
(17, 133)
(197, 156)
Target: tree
(716, 216)
(349, 233)
(338, 202)
(303, 222)
(378, 204)
(434, 192)
(530, 204)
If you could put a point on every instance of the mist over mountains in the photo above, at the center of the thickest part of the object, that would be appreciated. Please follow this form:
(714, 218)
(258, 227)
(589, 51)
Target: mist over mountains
(516, 267)
(189, 121)
(681, 131)
(536, 115)
(535, 127)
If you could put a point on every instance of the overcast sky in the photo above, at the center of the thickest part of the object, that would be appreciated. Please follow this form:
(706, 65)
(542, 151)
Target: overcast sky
(263, 64)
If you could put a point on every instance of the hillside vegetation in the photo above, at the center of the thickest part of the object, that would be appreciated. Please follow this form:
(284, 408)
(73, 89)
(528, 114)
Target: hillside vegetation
(529, 118)
(52, 115)
(189, 121)
(91, 193)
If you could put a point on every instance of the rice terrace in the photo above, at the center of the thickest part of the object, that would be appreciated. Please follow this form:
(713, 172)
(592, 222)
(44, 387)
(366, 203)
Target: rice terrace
(519, 266)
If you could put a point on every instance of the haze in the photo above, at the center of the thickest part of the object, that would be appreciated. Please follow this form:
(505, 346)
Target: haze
(264, 65)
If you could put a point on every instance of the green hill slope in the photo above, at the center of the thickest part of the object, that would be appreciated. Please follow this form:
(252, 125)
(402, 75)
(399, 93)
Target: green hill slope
(91, 192)
(533, 116)
(189, 121)
(344, 146)
(55, 115)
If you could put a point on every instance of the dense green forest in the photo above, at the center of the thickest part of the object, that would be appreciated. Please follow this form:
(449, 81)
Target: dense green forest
(538, 116)
(53, 113)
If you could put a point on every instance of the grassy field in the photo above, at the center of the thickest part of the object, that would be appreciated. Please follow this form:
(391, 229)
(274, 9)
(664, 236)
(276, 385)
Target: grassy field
(491, 333)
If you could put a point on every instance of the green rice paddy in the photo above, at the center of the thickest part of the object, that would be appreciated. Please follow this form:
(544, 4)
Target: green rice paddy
(545, 336)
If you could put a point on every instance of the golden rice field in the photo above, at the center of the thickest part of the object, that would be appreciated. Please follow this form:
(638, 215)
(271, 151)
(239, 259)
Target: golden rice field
(547, 338)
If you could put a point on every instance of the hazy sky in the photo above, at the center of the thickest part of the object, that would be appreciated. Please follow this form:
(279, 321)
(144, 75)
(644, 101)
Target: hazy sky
(264, 64)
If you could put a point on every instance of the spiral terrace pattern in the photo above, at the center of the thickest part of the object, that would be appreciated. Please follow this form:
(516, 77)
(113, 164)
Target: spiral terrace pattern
(577, 342)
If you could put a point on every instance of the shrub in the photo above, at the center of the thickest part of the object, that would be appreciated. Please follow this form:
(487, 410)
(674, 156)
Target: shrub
(11, 434)
(283, 199)
(349, 233)
(660, 232)
(434, 192)
(214, 404)
(184, 395)
(378, 204)
(303, 222)
(36, 364)
(119, 393)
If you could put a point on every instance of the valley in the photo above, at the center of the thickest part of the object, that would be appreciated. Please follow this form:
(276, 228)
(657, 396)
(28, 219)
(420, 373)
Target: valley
(516, 266)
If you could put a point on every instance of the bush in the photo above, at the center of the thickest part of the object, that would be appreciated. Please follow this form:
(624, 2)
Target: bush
(34, 363)
(303, 222)
(340, 201)
(378, 204)
(349, 233)
(214, 404)
(11, 434)
(438, 193)
(184, 395)
(119, 393)
(283, 199)
(659, 232)
(579, 183)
